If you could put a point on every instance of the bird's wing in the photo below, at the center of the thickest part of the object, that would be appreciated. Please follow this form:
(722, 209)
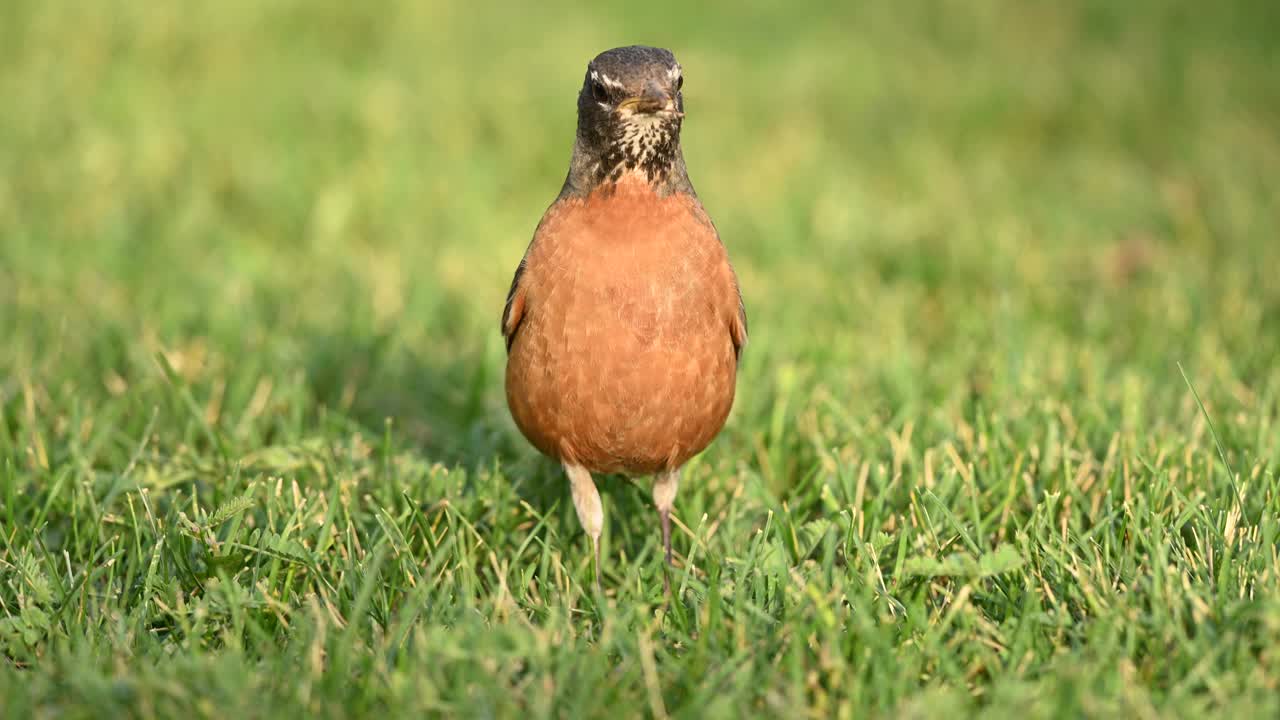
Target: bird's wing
(738, 326)
(513, 312)
(518, 296)
(732, 307)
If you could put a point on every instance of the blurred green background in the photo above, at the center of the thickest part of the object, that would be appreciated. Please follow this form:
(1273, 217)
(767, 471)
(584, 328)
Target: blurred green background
(332, 193)
(984, 228)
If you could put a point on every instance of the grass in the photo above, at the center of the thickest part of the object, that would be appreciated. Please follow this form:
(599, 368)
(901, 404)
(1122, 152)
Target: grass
(254, 454)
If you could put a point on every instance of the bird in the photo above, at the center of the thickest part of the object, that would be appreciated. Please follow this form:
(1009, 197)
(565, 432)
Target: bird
(624, 323)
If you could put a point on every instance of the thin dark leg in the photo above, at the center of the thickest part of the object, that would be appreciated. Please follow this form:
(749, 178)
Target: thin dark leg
(666, 534)
(595, 545)
(665, 515)
(664, 496)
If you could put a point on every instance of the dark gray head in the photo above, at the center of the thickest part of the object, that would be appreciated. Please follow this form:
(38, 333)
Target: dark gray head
(629, 114)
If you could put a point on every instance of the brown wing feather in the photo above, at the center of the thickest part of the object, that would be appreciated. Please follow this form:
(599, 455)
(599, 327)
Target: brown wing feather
(513, 311)
(738, 321)
(738, 329)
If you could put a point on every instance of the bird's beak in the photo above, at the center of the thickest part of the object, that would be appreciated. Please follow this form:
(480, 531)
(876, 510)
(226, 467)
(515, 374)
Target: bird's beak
(653, 100)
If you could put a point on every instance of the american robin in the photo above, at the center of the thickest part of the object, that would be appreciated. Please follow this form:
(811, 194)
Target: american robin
(624, 322)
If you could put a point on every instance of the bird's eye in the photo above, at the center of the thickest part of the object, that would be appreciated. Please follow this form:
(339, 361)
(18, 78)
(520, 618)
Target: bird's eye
(679, 83)
(599, 92)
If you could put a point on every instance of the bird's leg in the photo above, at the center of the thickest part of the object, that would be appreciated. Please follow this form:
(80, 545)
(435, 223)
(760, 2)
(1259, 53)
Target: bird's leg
(664, 496)
(586, 500)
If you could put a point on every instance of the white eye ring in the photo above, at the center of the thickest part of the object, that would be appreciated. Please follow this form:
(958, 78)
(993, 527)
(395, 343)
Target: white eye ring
(605, 80)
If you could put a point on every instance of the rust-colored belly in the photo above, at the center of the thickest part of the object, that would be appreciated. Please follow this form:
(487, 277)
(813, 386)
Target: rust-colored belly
(624, 361)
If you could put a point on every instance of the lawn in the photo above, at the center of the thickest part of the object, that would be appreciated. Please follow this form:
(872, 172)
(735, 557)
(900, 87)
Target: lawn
(1007, 438)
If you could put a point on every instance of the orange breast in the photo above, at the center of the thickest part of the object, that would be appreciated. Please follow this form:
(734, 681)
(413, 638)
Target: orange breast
(624, 360)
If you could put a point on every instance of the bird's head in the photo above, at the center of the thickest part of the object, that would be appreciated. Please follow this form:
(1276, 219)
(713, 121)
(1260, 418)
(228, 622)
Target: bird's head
(629, 115)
